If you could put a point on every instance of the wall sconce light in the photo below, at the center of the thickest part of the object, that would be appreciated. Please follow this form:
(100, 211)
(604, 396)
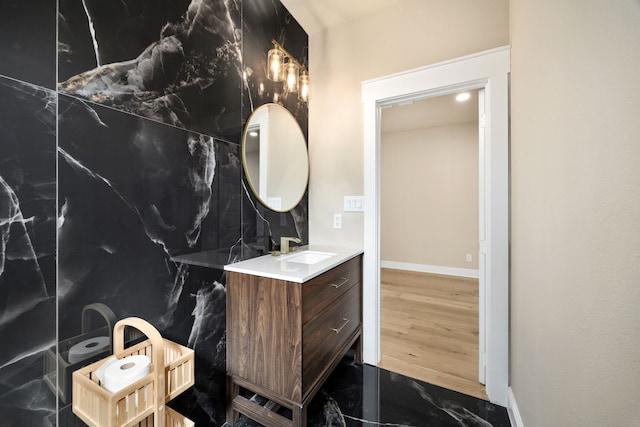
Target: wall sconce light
(275, 62)
(303, 95)
(291, 76)
(295, 76)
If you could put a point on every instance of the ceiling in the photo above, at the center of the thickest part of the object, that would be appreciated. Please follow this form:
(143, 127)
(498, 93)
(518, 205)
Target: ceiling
(316, 15)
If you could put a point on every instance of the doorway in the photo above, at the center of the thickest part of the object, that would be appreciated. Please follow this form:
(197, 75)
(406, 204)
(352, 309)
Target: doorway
(489, 71)
(429, 221)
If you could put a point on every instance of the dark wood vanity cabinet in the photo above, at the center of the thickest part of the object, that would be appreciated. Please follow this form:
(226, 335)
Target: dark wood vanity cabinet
(285, 338)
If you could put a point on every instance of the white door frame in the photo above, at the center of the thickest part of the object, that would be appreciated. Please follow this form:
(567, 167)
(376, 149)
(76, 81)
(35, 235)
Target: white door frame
(487, 70)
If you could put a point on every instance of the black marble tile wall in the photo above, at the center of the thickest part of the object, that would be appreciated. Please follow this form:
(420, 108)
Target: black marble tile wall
(176, 62)
(98, 32)
(28, 41)
(264, 21)
(133, 193)
(113, 166)
(27, 250)
(262, 227)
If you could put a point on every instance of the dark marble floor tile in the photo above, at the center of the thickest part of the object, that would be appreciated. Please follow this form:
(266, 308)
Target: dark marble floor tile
(28, 41)
(363, 395)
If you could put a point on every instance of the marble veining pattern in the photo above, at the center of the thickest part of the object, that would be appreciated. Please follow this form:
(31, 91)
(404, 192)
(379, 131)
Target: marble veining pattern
(135, 192)
(130, 162)
(181, 65)
(363, 395)
(27, 249)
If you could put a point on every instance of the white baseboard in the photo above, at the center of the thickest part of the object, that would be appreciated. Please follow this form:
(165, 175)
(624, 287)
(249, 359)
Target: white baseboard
(434, 269)
(512, 409)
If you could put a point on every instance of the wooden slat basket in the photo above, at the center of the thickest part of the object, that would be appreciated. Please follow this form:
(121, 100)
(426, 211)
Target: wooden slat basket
(143, 402)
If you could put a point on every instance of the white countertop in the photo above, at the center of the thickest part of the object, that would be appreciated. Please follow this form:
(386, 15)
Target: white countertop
(278, 267)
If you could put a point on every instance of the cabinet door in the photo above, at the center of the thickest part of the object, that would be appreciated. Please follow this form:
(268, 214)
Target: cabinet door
(264, 333)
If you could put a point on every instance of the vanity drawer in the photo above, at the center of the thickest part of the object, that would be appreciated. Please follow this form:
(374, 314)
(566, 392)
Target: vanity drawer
(325, 336)
(321, 292)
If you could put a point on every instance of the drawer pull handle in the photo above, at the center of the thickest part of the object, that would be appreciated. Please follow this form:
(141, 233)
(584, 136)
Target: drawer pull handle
(338, 330)
(337, 285)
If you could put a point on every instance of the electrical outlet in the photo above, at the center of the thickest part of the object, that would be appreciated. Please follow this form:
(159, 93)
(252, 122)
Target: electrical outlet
(337, 220)
(469, 258)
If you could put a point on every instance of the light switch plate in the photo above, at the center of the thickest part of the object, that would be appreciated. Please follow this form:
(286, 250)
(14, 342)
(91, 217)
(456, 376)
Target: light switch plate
(354, 203)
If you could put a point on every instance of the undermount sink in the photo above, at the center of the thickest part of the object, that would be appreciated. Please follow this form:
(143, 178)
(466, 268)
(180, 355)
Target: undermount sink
(307, 257)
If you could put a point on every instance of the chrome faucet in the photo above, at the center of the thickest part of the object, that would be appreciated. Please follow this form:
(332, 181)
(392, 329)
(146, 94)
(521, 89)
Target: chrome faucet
(284, 244)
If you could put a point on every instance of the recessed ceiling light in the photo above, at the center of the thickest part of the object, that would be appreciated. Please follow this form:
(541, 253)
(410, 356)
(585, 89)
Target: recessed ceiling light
(464, 96)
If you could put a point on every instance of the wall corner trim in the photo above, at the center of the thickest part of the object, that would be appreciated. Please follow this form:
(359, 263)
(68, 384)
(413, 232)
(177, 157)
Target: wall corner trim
(512, 409)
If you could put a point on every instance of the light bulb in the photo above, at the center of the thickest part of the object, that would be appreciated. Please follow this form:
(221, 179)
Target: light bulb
(292, 76)
(275, 62)
(303, 94)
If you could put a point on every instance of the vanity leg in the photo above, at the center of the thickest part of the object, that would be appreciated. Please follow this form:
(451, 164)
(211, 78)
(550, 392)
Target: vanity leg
(357, 346)
(232, 391)
(299, 416)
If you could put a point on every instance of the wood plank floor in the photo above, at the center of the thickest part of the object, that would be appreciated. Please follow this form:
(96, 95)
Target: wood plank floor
(429, 329)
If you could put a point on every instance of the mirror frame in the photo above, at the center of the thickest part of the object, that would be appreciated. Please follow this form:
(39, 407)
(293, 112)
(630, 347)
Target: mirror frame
(248, 127)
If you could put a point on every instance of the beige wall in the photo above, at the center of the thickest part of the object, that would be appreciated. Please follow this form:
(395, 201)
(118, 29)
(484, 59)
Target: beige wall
(575, 206)
(411, 34)
(575, 179)
(429, 196)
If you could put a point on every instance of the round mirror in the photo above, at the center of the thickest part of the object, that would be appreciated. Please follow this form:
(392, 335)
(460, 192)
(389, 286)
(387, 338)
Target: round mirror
(274, 155)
